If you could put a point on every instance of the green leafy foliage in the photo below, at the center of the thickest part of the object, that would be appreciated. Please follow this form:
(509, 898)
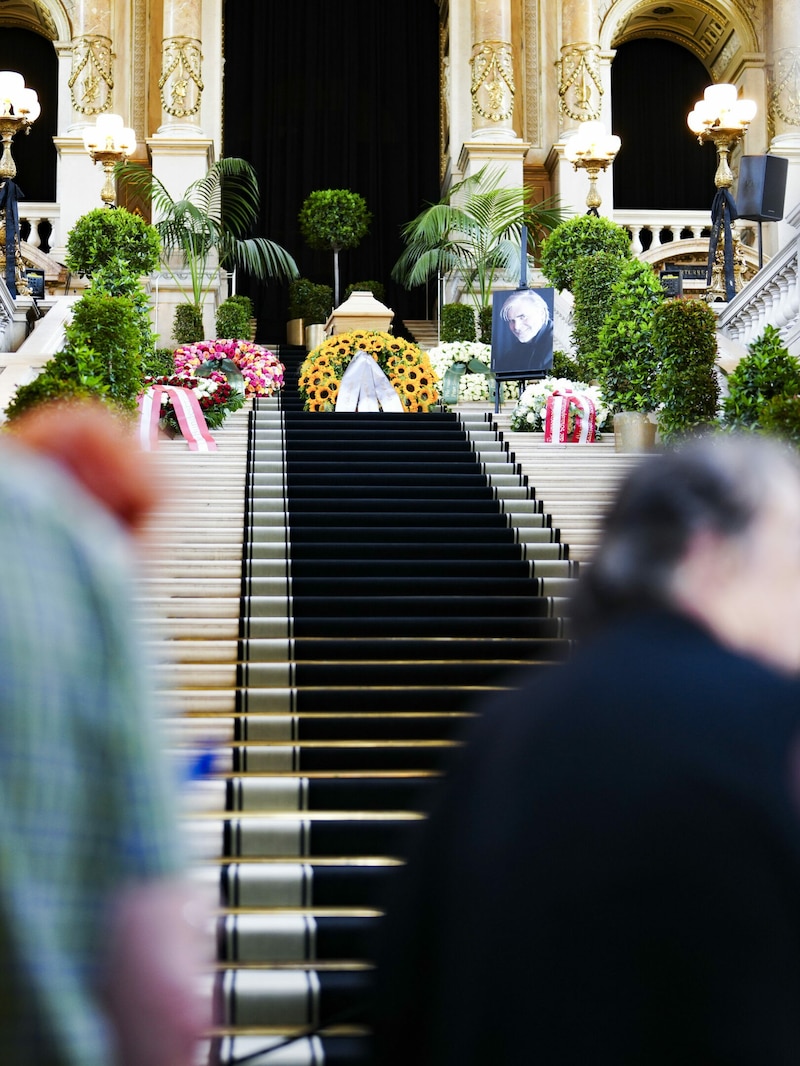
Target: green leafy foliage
(187, 325)
(115, 279)
(566, 367)
(310, 301)
(485, 325)
(232, 320)
(334, 219)
(160, 363)
(107, 234)
(207, 227)
(780, 417)
(474, 232)
(594, 277)
(626, 360)
(766, 372)
(577, 237)
(377, 289)
(457, 323)
(687, 389)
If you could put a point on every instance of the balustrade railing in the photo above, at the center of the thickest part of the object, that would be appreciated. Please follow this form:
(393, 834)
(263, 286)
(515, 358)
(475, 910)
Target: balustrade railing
(39, 224)
(771, 299)
(652, 230)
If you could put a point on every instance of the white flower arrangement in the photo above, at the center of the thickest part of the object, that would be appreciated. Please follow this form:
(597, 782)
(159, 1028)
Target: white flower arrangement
(531, 409)
(472, 388)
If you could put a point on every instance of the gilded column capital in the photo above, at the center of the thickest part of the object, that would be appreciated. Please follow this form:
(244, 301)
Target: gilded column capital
(91, 80)
(492, 87)
(580, 87)
(784, 97)
(181, 82)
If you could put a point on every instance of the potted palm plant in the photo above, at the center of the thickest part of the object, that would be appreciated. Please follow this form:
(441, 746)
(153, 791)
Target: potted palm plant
(474, 232)
(207, 228)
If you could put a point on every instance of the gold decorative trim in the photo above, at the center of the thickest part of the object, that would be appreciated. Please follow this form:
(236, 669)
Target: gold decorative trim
(181, 82)
(492, 88)
(784, 98)
(92, 79)
(580, 87)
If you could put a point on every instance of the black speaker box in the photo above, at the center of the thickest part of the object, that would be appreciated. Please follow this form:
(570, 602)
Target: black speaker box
(762, 187)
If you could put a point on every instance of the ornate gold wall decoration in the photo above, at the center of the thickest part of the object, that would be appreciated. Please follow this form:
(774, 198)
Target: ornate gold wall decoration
(580, 87)
(92, 80)
(785, 94)
(492, 86)
(181, 83)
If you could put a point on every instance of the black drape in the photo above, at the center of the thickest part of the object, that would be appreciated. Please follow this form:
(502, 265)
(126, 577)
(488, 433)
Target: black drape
(34, 57)
(654, 85)
(321, 95)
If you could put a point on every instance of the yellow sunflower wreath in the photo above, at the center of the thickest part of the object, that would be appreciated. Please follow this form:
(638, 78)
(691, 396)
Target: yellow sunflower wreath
(406, 366)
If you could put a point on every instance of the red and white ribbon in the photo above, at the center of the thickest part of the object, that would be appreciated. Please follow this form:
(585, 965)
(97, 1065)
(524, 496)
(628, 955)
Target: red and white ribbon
(556, 426)
(191, 420)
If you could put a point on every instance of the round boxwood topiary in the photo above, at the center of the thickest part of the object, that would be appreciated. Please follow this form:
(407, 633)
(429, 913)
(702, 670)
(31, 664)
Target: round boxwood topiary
(105, 234)
(577, 237)
(457, 323)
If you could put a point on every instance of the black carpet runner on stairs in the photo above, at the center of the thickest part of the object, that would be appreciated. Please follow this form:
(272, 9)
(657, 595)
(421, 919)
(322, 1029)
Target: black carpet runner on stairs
(396, 567)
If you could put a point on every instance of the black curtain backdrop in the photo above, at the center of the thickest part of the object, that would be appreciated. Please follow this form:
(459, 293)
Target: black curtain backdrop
(654, 86)
(341, 95)
(34, 57)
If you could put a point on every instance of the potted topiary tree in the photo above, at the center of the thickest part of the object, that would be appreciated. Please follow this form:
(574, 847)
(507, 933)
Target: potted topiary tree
(571, 240)
(103, 235)
(593, 279)
(626, 360)
(457, 323)
(767, 372)
(334, 219)
(310, 304)
(686, 388)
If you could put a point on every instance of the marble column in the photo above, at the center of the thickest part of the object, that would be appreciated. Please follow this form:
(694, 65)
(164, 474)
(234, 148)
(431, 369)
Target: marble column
(91, 80)
(784, 100)
(492, 90)
(492, 85)
(181, 81)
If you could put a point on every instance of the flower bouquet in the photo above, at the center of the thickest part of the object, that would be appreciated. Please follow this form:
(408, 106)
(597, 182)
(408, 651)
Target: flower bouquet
(474, 384)
(530, 412)
(261, 370)
(406, 366)
(214, 393)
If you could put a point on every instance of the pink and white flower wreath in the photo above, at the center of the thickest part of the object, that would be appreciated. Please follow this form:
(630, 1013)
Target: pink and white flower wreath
(261, 369)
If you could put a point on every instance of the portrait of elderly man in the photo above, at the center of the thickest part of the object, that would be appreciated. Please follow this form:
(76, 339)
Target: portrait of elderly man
(522, 338)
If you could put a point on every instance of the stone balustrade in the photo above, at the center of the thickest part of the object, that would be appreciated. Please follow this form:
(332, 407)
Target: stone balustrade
(39, 223)
(771, 299)
(651, 229)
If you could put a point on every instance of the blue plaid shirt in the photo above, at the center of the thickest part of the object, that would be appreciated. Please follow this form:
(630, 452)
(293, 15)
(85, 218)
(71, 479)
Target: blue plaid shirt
(86, 800)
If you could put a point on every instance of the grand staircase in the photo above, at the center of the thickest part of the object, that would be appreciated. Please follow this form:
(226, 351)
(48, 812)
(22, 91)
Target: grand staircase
(327, 596)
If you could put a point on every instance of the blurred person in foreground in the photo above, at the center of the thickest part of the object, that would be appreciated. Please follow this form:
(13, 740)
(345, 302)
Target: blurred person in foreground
(611, 876)
(100, 938)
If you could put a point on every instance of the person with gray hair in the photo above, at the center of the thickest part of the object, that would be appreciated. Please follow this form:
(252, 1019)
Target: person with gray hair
(611, 872)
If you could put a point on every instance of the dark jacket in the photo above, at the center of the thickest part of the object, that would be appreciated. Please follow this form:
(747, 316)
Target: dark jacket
(612, 875)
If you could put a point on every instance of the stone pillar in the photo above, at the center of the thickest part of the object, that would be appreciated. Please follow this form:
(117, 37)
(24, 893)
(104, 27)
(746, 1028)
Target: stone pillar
(181, 82)
(784, 101)
(91, 80)
(493, 88)
(584, 83)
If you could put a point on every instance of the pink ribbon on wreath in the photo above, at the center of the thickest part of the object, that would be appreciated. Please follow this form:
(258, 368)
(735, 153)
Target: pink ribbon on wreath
(556, 425)
(191, 420)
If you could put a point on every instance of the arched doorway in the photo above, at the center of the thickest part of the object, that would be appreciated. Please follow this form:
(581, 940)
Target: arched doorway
(654, 85)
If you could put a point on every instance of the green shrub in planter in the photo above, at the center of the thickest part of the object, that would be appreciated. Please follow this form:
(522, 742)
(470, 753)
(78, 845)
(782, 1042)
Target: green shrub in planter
(457, 323)
(766, 372)
(485, 325)
(187, 326)
(626, 361)
(780, 417)
(594, 277)
(685, 340)
(115, 279)
(566, 367)
(232, 320)
(105, 234)
(377, 289)
(161, 363)
(577, 237)
(309, 301)
(334, 219)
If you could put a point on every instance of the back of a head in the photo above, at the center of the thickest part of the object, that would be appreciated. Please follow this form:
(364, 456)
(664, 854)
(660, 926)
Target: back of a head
(716, 483)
